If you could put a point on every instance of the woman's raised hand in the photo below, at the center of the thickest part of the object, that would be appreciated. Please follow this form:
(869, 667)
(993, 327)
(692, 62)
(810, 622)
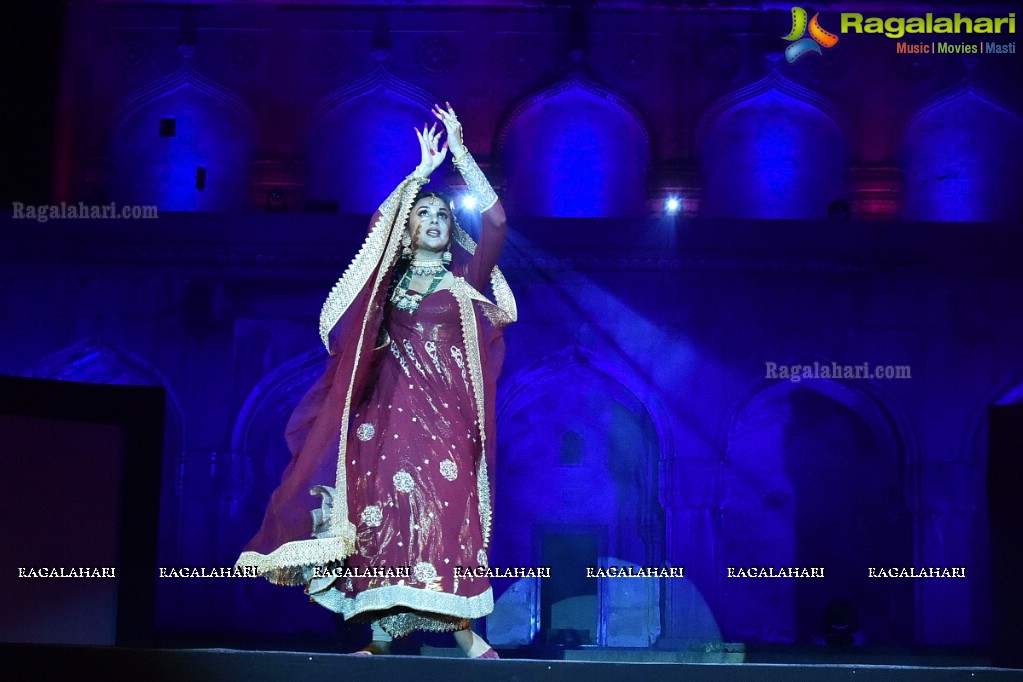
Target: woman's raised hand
(451, 123)
(433, 153)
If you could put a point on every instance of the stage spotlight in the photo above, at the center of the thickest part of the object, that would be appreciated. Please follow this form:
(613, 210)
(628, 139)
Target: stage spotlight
(672, 205)
(467, 201)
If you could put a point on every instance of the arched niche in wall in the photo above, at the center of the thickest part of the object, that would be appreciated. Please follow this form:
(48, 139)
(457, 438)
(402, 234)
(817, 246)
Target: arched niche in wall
(575, 150)
(771, 150)
(361, 141)
(962, 160)
(577, 482)
(817, 474)
(183, 143)
(97, 362)
(260, 457)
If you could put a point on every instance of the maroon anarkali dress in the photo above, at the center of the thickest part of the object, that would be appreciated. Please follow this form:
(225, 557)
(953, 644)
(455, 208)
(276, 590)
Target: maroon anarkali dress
(408, 401)
(414, 450)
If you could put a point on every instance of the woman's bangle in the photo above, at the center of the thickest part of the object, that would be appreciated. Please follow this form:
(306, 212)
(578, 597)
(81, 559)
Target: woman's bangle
(457, 160)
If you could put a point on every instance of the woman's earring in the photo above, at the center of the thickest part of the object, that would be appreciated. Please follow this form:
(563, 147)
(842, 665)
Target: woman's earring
(406, 244)
(446, 258)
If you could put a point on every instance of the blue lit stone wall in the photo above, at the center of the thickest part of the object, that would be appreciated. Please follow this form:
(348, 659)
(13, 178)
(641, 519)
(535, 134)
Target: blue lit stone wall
(634, 409)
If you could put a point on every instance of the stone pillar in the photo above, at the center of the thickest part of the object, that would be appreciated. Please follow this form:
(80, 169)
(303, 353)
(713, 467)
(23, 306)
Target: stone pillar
(197, 499)
(691, 514)
(949, 539)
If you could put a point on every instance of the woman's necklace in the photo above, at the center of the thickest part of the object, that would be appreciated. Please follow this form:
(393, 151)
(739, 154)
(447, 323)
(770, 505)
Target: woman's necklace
(406, 300)
(425, 268)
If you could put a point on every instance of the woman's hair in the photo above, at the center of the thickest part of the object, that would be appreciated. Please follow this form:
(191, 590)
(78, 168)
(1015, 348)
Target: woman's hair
(443, 196)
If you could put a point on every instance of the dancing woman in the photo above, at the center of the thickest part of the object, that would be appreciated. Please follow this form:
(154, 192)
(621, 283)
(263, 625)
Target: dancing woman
(397, 437)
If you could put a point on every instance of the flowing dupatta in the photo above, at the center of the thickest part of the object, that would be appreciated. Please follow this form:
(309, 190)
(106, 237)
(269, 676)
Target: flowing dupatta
(284, 550)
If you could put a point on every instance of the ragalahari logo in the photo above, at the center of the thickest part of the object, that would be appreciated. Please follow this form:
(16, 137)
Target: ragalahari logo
(802, 45)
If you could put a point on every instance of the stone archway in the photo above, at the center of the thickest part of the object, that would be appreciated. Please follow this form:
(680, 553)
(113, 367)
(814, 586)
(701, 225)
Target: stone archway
(957, 151)
(816, 473)
(371, 120)
(183, 143)
(575, 150)
(771, 150)
(577, 484)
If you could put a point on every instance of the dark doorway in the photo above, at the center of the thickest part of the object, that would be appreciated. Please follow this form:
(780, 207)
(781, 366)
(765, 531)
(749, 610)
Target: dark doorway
(566, 616)
(1005, 514)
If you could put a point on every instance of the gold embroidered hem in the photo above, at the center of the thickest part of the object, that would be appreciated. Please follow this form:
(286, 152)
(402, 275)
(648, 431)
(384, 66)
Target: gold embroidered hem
(399, 625)
(423, 601)
(287, 564)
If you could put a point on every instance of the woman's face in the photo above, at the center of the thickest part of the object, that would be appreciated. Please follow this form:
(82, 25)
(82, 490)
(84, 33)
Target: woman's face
(429, 224)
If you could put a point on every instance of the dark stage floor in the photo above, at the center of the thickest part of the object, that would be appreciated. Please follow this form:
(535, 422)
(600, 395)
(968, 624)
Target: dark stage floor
(112, 663)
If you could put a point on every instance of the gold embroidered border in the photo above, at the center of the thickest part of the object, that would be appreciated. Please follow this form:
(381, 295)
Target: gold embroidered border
(477, 182)
(399, 625)
(465, 294)
(339, 522)
(284, 565)
(504, 298)
(390, 596)
(507, 310)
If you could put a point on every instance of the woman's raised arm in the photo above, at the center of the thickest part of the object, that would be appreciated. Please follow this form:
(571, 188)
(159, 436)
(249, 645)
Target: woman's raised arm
(494, 225)
(432, 156)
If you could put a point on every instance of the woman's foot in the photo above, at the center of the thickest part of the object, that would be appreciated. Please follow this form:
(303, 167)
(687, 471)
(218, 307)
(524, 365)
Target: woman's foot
(379, 643)
(375, 648)
(474, 646)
